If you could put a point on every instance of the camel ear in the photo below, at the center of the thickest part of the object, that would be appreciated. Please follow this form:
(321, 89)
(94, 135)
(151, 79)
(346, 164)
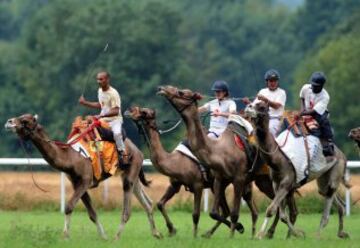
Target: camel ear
(198, 96)
(36, 117)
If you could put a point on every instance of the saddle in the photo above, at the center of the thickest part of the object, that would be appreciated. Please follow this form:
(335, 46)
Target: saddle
(299, 125)
(97, 140)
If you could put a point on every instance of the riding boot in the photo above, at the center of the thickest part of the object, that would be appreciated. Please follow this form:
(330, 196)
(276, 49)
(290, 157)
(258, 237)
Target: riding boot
(329, 151)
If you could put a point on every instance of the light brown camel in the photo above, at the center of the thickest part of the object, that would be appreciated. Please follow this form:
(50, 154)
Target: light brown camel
(354, 134)
(284, 176)
(230, 165)
(80, 173)
(182, 171)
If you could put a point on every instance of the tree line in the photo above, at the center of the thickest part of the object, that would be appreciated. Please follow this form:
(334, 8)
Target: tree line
(51, 51)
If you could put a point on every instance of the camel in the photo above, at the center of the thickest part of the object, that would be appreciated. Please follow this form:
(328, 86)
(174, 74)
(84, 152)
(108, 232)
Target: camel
(182, 171)
(354, 134)
(284, 176)
(80, 173)
(229, 164)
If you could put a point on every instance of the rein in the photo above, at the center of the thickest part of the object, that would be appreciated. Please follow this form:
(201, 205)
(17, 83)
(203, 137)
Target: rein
(31, 167)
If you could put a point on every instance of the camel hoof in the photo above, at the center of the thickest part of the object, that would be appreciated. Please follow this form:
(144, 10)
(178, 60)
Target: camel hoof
(299, 233)
(66, 235)
(240, 228)
(269, 235)
(207, 235)
(172, 232)
(158, 235)
(343, 235)
(260, 235)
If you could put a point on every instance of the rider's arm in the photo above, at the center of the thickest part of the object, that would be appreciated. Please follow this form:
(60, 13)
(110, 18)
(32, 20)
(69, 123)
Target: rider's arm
(89, 104)
(112, 112)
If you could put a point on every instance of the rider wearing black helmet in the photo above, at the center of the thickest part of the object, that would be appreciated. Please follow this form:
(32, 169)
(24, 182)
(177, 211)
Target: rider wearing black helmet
(220, 108)
(314, 102)
(274, 96)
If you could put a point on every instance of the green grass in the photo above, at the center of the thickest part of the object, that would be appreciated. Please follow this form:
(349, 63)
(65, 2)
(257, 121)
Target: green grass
(44, 229)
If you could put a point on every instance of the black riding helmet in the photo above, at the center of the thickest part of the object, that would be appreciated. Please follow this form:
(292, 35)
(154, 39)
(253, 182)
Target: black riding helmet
(272, 74)
(317, 79)
(220, 85)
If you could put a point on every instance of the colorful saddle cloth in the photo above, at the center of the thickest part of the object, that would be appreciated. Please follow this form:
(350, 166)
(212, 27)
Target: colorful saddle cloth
(103, 154)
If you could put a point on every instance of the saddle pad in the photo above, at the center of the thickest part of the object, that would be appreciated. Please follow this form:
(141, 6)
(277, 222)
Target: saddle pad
(242, 122)
(186, 151)
(294, 149)
(81, 149)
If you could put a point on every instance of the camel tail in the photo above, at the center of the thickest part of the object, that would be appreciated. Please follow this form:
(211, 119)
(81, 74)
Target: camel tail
(143, 179)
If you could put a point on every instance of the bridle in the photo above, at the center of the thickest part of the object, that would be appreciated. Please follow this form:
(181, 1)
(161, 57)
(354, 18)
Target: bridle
(192, 99)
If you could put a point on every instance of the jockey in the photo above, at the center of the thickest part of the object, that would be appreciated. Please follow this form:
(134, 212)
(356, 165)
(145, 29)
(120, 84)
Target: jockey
(110, 104)
(314, 102)
(274, 96)
(220, 109)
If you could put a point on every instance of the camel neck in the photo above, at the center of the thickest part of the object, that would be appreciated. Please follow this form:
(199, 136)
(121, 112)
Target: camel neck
(157, 152)
(269, 147)
(55, 156)
(196, 135)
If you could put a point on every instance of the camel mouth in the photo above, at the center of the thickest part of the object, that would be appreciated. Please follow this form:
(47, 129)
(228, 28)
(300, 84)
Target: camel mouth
(161, 91)
(250, 111)
(10, 125)
(127, 114)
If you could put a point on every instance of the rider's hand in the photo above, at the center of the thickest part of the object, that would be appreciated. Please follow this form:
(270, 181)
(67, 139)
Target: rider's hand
(82, 99)
(98, 117)
(245, 100)
(216, 113)
(263, 98)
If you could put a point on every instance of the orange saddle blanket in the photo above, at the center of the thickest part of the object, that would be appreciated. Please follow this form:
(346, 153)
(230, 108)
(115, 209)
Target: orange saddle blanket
(103, 154)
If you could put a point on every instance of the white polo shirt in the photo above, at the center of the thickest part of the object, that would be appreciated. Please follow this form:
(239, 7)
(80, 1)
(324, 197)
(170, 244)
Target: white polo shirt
(278, 95)
(109, 99)
(317, 102)
(218, 124)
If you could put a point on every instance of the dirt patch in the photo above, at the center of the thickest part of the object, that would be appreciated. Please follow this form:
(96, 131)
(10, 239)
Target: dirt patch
(20, 183)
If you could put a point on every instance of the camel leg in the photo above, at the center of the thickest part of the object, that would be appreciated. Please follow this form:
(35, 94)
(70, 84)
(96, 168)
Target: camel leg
(341, 210)
(128, 188)
(234, 215)
(225, 212)
(293, 211)
(281, 193)
(196, 210)
(326, 213)
(92, 214)
(170, 192)
(219, 189)
(253, 209)
(147, 205)
(79, 190)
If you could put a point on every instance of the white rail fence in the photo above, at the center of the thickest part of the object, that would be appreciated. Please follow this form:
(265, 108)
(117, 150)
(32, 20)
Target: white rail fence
(39, 161)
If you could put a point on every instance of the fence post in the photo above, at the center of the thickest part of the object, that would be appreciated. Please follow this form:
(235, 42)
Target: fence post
(347, 193)
(206, 200)
(62, 192)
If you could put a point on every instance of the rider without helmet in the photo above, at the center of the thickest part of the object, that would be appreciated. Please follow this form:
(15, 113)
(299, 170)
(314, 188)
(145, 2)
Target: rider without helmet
(220, 85)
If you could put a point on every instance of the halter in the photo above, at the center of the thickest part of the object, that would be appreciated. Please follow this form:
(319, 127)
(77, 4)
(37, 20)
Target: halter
(191, 99)
(142, 131)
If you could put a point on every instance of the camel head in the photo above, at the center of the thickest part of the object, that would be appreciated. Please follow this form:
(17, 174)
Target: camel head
(137, 113)
(354, 134)
(258, 112)
(23, 125)
(180, 98)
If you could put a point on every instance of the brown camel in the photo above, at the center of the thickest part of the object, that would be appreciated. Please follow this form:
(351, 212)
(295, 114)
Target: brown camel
(355, 135)
(182, 171)
(284, 176)
(230, 165)
(80, 173)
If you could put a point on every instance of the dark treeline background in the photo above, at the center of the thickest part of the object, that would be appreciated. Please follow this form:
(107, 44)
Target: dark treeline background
(47, 49)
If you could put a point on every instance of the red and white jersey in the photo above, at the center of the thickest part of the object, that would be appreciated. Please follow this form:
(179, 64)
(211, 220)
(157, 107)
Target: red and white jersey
(317, 102)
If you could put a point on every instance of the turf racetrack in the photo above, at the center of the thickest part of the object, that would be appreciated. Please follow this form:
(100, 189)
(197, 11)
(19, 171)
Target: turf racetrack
(44, 229)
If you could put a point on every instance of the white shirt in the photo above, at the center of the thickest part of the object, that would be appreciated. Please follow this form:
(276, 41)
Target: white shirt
(218, 124)
(109, 99)
(317, 102)
(278, 95)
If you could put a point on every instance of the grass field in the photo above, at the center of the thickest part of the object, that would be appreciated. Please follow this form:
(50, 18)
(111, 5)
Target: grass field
(44, 229)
